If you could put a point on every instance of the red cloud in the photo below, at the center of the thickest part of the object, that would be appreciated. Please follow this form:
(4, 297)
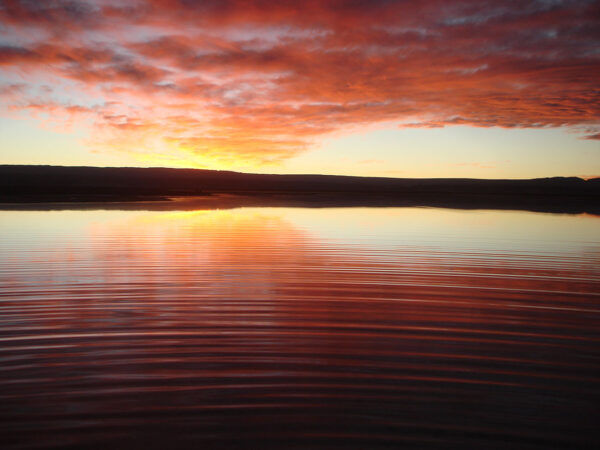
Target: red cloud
(259, 80)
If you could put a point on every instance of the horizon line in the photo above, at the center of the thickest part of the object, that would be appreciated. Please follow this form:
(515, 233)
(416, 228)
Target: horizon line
(581, 177)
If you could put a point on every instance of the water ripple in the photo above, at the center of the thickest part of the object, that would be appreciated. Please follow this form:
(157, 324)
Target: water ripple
(259, 329)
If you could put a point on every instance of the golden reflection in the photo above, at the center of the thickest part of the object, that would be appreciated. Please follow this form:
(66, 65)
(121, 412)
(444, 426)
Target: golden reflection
(201, 322)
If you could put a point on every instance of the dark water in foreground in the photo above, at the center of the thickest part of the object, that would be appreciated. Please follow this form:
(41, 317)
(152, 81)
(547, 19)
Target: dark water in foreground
(299, 328)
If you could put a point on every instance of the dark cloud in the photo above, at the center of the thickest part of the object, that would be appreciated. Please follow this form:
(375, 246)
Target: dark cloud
(10, 54)
(57, 15)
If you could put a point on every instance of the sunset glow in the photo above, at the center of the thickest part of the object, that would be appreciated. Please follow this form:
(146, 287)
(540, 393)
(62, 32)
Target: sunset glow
(488, 89)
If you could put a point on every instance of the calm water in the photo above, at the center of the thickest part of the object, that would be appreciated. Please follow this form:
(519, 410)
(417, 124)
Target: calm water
(299, 328)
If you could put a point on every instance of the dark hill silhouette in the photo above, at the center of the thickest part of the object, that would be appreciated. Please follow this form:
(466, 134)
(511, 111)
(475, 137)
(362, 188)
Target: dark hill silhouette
(19, 183)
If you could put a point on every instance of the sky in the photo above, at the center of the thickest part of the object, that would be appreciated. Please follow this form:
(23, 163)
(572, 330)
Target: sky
(428, 88)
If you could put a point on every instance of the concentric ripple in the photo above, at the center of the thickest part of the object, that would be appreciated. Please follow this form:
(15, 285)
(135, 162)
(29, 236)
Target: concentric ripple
(299, 328)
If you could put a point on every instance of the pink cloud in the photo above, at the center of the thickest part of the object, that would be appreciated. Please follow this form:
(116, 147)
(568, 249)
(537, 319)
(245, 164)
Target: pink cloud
(260, 80)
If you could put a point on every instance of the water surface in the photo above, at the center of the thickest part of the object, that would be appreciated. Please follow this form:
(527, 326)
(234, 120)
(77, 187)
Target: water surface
(299, 328)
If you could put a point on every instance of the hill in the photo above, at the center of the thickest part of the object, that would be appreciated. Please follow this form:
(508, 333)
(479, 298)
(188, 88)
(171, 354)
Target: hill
(20, 183)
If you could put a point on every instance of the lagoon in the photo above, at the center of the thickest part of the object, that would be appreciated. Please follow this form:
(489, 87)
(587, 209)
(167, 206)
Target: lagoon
(275, 327)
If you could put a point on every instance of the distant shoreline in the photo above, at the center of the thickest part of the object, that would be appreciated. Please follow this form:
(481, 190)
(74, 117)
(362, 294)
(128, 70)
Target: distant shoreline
(54, 185)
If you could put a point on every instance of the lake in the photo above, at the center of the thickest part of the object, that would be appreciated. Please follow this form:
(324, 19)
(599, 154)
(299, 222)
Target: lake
(274, 327)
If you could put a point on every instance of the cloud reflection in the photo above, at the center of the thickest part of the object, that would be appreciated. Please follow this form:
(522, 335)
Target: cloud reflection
(254, 325)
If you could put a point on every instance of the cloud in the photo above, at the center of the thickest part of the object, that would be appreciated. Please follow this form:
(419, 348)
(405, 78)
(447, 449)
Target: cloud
(259, 82)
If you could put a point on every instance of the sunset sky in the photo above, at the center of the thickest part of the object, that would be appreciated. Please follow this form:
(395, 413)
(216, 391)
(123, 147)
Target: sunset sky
(428, 88)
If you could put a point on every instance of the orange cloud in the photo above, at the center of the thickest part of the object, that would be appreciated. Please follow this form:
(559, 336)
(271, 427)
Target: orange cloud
(218, 81)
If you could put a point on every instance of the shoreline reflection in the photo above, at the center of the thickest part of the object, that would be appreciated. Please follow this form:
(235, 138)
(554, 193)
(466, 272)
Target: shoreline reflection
(271, 327)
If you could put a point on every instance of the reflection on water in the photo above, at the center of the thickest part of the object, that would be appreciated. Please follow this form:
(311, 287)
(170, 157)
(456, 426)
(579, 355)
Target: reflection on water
(299, 328)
